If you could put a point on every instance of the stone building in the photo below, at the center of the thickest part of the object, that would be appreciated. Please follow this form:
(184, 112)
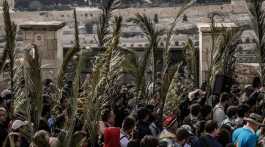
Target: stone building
(48, 38)
(11, 3)
(205, 47)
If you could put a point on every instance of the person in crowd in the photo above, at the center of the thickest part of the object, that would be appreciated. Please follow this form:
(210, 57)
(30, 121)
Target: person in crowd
(193, 117)
(192, 136)
(182, 137)
(255, 95)
(167, 137)
(246, 136)
(231, 116)
(209, 138)
(121, 106)
(149, 141)
(40, 139)
(128, 126)
(107, 119)
(3, 127)
(225, 135)
(112, 137)
(142, 126)
(134, 143)
(219, 110)
(154, 126)
(18, 134)
(241, 113)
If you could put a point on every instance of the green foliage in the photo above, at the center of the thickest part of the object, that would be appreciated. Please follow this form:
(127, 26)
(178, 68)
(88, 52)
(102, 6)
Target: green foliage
(100, 82)
(257, 14)
(166, 52)
(9, 51)
(33, 84)
(178, 88)
(103, 32)
(69, 55)
(222, 55)
(153, 35)
(192, 60)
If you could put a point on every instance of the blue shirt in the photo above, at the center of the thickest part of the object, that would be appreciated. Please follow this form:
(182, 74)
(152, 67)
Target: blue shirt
(244, 137)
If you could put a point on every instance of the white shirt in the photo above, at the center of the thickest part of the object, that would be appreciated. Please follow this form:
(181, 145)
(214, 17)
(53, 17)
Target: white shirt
(219, 114)
(124, 140)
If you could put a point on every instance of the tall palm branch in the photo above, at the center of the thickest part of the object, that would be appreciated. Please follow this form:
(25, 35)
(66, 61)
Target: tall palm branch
(72, 112)
(169, 35)
(103, 32)
(166, 52)
(224, 47)
(69, 55)
(9, 51)
(33, 84)
(192, 59)
(257, 13)
(99, 81)
(153, 35)
(215, 37)
(226, 59)
(21, 102)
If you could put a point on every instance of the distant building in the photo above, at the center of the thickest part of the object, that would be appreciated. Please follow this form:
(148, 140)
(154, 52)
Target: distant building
(11, 3)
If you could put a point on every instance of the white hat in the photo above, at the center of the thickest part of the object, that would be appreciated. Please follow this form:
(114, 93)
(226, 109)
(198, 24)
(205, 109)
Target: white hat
(192, 94)
(18, 124)
(3, 109)
(187, 128)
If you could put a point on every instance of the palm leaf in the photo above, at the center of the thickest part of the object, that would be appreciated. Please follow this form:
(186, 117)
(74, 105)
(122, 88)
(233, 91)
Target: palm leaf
(103, 32)
(192, 58)
(73, 103)
(100, 81)
(9, 51)
(33, 84)
(69, 55)
(169, 35)
(257, 15)
(152, 34)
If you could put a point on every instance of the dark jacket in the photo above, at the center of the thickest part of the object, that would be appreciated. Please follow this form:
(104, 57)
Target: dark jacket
(3, 134)
(142, 129)
(206, 141)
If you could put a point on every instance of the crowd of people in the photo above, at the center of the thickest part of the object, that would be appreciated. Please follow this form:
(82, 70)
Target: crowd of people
(233, 119)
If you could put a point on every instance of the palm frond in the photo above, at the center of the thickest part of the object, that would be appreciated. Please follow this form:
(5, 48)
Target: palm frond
(169, 35)
(33, 84)
(223, 57)
(257, 15)
(69, 55)
(9, 51)
(103, 72)
(103, 32)
(21, 101)
(73, 103)
(152, 34)
(192, 58)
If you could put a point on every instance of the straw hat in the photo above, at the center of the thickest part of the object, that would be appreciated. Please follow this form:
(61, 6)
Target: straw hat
(256, 119)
